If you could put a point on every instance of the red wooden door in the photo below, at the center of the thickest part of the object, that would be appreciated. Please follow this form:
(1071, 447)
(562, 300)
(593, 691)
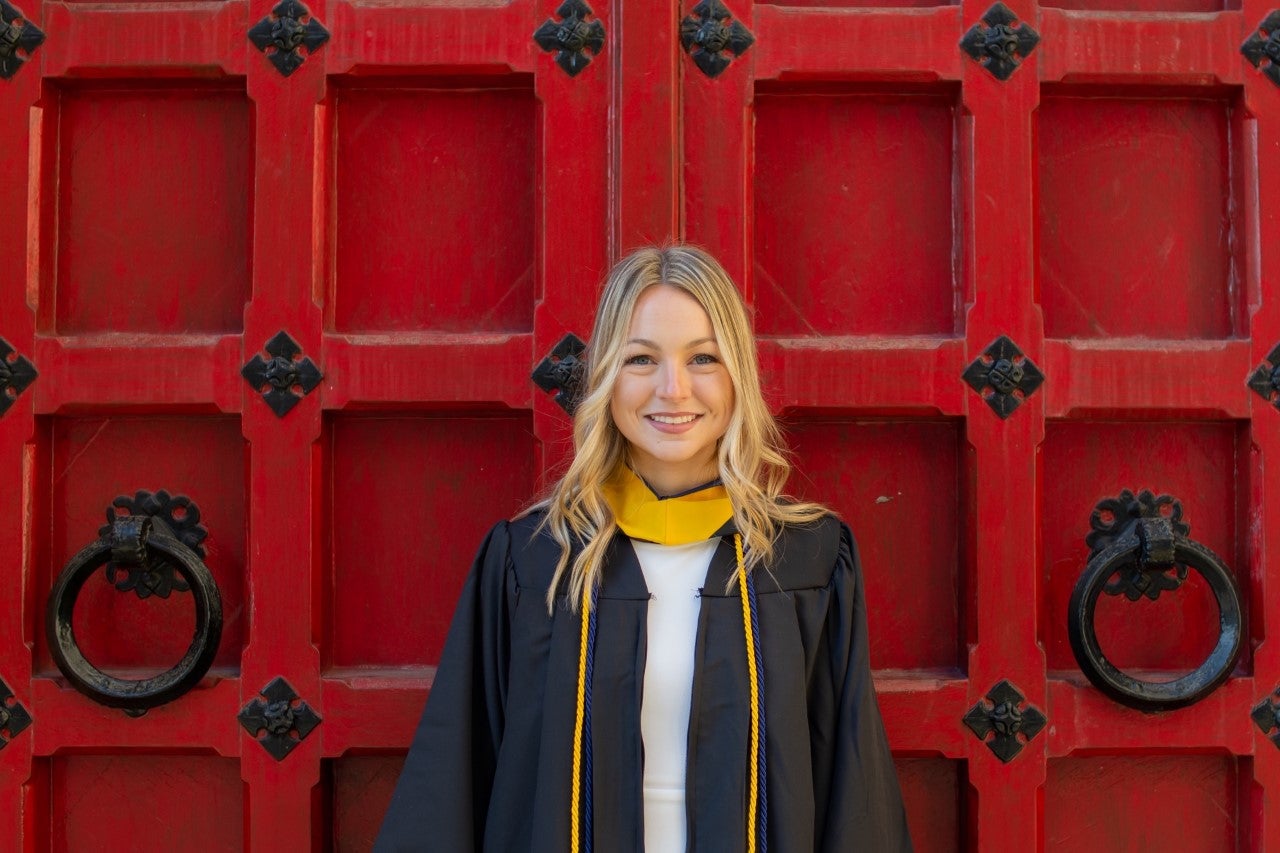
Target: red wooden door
(424, 206)
(1092, 189)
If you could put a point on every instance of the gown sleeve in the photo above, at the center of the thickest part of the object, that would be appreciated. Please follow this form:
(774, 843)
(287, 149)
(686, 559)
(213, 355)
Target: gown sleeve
(441, 799)
(863, 808)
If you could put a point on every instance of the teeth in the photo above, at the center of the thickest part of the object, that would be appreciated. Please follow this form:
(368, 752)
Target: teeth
(663, 419)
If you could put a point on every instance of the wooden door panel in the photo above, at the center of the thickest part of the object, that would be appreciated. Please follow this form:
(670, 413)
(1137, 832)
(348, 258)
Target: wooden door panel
(1156, 6)
(933, 793)
(898, 486)
(396, 571)
(1120, 253)
(1085, 462)
(853, 211)
(857, 4)
(152, 218)
(361, 787)
(95, 460)
(434, 201)
(147, 803)
(1122, 803)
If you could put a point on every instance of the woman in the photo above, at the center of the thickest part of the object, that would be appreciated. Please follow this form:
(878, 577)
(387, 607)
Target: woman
(664, 654)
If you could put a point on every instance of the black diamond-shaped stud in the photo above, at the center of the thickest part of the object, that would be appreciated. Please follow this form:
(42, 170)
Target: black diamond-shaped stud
(709, 32)
(155, 576)
(278, 718)
(282, 34)
(562, 372)
(1003, 376)
(1002, 44)
(572, 36)
(1262, 49)
(1266, 716)
(13, 716)
(1265, 380)
(16, 373)
(1006, 720)
(19, 38)
(286, 377)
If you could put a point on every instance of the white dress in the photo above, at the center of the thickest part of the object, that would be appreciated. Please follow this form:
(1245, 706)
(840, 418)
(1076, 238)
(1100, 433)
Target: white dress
(674, 574)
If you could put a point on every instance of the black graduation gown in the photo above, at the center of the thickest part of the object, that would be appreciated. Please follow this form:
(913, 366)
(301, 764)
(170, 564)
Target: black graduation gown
(490, 765)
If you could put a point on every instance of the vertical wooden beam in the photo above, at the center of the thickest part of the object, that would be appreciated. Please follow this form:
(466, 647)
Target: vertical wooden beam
(1260, 233)
(999, 217)
(284, 463)
(21, 801)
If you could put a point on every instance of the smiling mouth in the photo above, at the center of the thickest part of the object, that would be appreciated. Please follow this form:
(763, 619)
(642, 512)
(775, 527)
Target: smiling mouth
(679, 419)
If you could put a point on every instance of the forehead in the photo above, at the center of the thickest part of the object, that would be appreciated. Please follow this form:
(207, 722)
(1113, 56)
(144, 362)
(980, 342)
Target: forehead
(670, 312)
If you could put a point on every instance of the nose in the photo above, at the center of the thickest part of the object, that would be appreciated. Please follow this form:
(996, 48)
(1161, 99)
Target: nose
(674, 382)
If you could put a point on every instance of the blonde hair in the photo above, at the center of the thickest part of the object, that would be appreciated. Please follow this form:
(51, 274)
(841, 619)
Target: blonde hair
(751, 457)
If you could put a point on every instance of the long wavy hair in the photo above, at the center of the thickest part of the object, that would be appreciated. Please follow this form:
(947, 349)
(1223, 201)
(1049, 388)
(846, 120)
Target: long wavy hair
(751, 457)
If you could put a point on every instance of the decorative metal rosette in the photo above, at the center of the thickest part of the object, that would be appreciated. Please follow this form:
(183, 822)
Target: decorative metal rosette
(19, 38)
(574, 39)
(284, 379)
(710, 32)
(1262, 48)
(279, 719)
(13, 715)
(999, 43)
(16, 373)
(1114, 518)
(562, 372)
(1266, 716)
(155, 575)
(1265, 379)
(1007, 715)
(282, 35)
(1003, 376)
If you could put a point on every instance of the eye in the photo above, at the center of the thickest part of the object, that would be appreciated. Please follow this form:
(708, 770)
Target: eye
(705, 358)
(638, 359)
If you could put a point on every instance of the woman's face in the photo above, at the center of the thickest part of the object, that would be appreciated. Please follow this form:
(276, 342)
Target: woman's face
(673, 397)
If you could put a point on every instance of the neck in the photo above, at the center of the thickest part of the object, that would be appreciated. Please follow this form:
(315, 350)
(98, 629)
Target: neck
(667, 481)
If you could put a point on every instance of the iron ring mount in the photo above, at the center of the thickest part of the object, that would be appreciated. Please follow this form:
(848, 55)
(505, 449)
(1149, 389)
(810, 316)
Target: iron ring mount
(134, 540)
(1139, 551)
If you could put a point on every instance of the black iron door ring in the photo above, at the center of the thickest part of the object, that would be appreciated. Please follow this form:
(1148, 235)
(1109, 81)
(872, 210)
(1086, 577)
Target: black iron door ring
(1149, 696)
(131, 540)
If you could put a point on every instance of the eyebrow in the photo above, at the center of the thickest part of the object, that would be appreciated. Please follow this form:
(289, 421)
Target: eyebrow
(644, 342)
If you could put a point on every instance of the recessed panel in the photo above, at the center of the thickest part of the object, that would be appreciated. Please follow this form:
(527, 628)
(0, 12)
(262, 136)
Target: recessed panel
(125, 624)
(897, 486)
(434, 201)
(1136, 218)
(1146, 5)
(1142, 802)
(854, 214)
(362, 787)
(931, 791)
(412, 499)
(146, 804)
(1084, 463)
(154, 193)
(860, 4)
